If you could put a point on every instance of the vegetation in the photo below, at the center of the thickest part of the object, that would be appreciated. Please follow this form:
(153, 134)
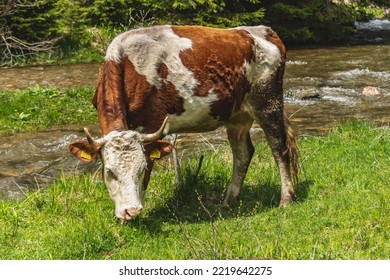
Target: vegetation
(42, 107)
(342, 210)
(80, 30)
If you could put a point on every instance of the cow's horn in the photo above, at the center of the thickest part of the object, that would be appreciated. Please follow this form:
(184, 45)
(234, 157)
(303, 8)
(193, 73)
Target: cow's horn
(91, 141)
(157, 135)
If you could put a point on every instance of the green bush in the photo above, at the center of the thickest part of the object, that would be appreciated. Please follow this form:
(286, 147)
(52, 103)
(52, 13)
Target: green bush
(32, 21)
(71, 21)
(311, 21)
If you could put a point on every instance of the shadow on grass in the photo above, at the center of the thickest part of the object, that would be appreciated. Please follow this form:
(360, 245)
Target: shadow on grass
(200, 196)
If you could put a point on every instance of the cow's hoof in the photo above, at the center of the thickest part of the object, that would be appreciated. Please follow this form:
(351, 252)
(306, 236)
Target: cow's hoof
(226, 202)
(230, 201)
(287, 200)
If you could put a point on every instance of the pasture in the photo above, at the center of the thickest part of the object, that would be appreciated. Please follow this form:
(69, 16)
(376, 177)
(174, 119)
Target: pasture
(342, 211)
(38, 108)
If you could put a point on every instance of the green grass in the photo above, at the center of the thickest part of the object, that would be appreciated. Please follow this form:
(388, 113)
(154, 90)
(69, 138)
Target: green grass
(342, 210)
(42, 107)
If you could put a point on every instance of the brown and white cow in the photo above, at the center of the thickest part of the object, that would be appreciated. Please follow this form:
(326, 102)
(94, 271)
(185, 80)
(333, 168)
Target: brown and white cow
(200, 78)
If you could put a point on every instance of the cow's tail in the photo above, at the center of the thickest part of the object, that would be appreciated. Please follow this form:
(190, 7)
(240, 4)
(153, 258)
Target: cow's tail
(292, 149)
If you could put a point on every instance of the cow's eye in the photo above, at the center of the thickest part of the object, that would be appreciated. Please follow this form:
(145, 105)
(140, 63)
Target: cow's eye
(111, 175)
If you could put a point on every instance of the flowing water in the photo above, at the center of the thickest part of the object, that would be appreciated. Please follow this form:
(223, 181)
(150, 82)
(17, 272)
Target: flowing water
(325, 85)
(322, 85)
(33, 159)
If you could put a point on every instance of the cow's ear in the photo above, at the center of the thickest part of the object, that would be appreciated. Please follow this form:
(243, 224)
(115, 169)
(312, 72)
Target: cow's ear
(83, 151)
(158, 149)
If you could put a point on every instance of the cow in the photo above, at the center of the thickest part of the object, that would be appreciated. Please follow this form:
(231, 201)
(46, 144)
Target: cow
(169, 79)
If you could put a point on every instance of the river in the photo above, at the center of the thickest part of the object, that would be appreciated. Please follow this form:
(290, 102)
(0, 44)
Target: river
(323, 86)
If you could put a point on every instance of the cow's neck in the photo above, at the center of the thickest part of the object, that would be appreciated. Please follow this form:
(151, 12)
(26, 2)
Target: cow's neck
(108, 98)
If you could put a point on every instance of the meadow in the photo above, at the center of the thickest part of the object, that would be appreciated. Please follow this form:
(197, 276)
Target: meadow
(342, 211)
(38, 108)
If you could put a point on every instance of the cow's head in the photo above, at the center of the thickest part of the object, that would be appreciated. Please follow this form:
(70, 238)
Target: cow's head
(128, 158)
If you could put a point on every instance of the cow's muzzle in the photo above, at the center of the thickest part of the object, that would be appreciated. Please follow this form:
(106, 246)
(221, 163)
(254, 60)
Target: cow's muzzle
(131, 213)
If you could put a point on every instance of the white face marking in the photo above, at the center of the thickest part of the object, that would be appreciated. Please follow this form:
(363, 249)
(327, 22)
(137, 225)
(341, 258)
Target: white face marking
(124, 166)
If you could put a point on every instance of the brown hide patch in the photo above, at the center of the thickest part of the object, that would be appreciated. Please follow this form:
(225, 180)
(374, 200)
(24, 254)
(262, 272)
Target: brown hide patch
(274, 39)
(163, 71)
(149, 105)
(217, 60)
(108, 98)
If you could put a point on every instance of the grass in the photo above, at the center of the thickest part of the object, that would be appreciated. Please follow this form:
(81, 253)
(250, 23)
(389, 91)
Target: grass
(342, 210)
(42, 107)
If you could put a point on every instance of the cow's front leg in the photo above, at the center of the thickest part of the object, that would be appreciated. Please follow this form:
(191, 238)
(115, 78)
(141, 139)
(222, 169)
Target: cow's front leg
(242, 148)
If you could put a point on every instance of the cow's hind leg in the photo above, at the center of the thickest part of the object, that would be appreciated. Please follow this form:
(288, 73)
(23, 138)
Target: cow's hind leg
(266, 101)
(281, 139)
(242, 149)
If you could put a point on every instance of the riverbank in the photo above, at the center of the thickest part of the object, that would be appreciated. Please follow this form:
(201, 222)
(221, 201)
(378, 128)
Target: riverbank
(39, 108)
(342, 210)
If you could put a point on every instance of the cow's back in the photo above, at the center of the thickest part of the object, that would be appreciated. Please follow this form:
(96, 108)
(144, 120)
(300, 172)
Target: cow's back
(199, 76)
